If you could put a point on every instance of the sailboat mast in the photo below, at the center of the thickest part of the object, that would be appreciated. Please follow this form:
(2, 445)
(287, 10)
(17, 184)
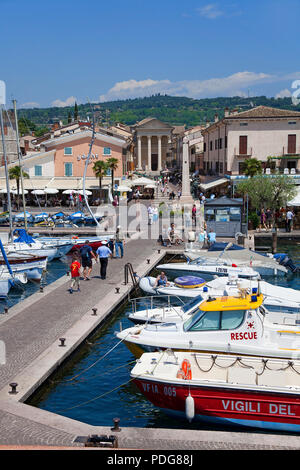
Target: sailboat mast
(20, 163)
(6, 172)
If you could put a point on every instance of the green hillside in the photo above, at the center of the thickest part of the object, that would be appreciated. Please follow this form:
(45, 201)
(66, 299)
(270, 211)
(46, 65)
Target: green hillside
(171, 109)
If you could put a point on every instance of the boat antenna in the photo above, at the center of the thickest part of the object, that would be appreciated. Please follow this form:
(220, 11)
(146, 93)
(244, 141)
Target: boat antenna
(86, 165)
(20, 163)
(2, 102)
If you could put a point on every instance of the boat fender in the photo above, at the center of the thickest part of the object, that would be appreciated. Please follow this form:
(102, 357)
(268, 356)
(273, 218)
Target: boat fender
(186, 369)
(189, 408)
(75, 237)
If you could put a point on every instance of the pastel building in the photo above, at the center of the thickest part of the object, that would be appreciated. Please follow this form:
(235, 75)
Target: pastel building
(61, 162)
(259, 133)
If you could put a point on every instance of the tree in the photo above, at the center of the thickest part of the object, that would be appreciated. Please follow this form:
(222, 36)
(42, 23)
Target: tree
(112, 164)
(69, 117)
(268, 191)
(252, 167)
(75, 112)
(14, 173)
(100, 168)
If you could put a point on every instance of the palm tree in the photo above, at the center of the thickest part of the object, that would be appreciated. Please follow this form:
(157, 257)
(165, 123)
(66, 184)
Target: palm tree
(252, 167)
(15, 174)
(112, 164)
(100, 168)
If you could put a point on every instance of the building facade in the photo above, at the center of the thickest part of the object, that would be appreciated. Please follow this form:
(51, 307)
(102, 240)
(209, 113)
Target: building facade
(260, 133)
(152, 141)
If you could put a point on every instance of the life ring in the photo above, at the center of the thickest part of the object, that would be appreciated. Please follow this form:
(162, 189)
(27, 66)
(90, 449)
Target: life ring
(75, 237)
(186, 369)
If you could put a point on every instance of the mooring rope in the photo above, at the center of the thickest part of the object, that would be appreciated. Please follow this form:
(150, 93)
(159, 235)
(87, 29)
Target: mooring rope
(93, 364)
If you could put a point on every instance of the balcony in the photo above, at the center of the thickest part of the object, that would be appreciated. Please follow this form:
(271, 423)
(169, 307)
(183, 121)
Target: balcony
(248, 154)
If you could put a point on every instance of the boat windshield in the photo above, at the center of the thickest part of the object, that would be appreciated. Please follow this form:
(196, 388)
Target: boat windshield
(215, 320)
(195, 301)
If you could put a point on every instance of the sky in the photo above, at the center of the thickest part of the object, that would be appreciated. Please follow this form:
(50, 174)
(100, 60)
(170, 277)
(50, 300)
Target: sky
(55, 53)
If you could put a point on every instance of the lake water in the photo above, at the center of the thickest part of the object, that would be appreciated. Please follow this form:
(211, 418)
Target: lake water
(95, 388)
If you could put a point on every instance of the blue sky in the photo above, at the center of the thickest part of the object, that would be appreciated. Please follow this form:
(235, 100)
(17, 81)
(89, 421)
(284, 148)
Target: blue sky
(53, 53)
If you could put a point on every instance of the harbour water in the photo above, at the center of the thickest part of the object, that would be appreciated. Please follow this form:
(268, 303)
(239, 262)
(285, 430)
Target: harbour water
(95, 386)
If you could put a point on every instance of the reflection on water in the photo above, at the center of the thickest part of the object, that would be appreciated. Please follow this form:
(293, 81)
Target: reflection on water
(95, 389)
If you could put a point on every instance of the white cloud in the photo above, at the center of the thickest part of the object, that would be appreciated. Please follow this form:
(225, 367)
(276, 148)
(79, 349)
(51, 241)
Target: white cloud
(30, 104)
(233, 85)
(210, 11)
(61, 104)
(283, 94)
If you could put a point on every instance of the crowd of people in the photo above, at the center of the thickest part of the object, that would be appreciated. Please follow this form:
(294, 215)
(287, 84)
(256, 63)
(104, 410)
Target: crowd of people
(281, 217)
(82, 260)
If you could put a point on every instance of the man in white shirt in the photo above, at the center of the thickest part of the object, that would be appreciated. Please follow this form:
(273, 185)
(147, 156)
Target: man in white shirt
(289, 220)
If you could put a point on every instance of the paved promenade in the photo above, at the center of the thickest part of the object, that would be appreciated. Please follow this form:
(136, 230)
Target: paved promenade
(31, 332)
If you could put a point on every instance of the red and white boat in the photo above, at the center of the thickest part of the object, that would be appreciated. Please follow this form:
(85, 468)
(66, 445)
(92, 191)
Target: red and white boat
(223, 389)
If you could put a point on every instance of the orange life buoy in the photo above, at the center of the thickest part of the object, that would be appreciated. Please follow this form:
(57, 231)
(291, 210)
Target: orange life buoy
(186, 369)
(74, 237)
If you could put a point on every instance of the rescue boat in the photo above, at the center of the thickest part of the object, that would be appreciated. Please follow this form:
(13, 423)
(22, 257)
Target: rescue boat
(240, 325)
(223, 389)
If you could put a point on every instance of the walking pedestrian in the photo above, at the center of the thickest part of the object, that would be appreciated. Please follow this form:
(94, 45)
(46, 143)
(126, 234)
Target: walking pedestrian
(119, 241)
(103, 252)
(289, 220)
(87, 256)
(150, 214)
(75, 274)
(111, 245)
(194, 212)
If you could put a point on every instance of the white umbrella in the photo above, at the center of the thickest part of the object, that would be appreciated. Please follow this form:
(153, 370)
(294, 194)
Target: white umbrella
(124, 189)
(37, 191)
(69, 191)
(14, 191)
(150, 186)
(87, 192)
(142, 181)
(3, 191)
(51, 191)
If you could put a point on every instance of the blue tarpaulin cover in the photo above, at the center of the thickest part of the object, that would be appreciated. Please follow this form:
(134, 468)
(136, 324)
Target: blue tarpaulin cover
(23, 236)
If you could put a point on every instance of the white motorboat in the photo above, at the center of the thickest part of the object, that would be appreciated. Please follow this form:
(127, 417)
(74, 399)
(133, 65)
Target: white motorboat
(235, 325)
(265, 265)
(208, 269)
(276, 298)
(226, 389)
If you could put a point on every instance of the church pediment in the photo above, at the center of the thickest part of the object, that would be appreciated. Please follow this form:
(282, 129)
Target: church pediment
(153, 123)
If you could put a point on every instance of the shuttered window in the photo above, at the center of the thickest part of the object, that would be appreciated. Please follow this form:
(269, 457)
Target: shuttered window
(292, 143)
(243, 144)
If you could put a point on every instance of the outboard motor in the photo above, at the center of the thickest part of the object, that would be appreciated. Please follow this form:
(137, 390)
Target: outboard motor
(284, 260)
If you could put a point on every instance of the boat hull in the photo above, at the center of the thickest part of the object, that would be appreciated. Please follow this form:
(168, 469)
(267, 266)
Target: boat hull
(223, 406)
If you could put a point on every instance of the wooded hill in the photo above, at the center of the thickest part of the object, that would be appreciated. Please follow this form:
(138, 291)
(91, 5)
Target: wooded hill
(171, 109)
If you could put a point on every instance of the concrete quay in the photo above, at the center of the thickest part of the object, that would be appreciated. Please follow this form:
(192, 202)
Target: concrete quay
(31, 331)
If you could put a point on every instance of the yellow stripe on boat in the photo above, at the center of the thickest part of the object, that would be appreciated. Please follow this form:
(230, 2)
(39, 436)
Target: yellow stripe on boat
(249, 302)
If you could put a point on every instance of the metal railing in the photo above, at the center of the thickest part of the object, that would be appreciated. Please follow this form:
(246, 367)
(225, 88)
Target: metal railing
(148, 304)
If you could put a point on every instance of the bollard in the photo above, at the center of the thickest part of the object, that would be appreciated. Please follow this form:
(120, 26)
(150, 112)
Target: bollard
(5, 309)
(94, 311)
(41, 289)
(116, 427)
(13, 386)
(148, 261)
(158, 251)
(62, 341)
(117, 290)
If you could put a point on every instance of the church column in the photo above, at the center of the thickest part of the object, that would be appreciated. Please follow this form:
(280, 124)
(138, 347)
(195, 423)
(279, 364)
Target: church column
(159, 153)
(149, 153)
(139, 152)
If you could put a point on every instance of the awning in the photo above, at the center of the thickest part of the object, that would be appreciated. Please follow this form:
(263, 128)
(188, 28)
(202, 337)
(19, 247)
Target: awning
(296, 201)
(213, 184)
